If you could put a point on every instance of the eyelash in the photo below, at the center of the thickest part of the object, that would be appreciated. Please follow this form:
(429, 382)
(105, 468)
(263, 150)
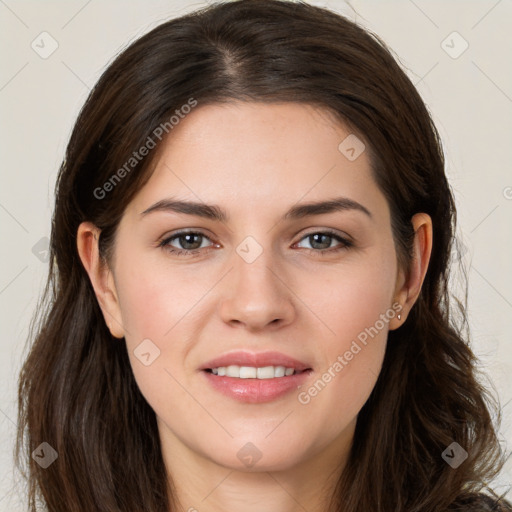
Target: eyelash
(345, 243)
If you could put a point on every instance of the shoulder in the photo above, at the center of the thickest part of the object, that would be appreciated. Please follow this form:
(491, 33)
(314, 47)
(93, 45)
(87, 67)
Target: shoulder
(483, 503)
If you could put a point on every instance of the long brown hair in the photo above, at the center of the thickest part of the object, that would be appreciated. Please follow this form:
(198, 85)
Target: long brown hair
(76, 389)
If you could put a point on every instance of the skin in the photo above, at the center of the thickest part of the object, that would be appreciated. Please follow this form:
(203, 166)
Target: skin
(255, 161)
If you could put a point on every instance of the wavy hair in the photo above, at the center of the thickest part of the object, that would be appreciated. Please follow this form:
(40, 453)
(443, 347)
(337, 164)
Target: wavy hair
(76, 387)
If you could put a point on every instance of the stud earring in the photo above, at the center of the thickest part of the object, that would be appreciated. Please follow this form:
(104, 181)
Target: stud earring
(399, 316)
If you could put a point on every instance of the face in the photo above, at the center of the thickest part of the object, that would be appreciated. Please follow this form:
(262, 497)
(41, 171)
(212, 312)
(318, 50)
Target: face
(220, 298)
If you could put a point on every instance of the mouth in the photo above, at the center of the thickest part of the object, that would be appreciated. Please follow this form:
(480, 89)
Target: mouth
(253, 372)
(256, 377)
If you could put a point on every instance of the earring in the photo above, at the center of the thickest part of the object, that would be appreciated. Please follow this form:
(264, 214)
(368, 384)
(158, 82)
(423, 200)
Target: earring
(399, 316)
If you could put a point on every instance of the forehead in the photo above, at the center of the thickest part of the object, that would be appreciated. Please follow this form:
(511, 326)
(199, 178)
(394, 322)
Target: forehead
(257, 155)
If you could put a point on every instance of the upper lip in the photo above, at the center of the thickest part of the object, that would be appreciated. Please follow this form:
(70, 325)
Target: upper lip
(256, 359)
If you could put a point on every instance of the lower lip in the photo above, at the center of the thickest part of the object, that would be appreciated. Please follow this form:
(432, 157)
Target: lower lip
(256, 391)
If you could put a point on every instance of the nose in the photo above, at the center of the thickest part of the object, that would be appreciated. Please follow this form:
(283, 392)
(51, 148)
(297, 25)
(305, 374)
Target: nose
(256, 295)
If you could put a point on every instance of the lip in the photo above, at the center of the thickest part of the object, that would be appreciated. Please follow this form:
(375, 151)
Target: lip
(256, 390)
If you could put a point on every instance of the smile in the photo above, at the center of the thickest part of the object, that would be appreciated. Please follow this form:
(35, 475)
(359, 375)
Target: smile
(252, 372)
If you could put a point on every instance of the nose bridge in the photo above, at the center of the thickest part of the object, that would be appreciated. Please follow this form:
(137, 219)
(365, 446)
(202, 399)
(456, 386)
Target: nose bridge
(255, 294)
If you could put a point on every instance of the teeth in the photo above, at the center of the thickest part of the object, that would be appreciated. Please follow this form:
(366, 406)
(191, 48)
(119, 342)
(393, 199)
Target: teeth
(246, 372)
(267, 372)
(233, 371)
(279, 371)
(250, 372)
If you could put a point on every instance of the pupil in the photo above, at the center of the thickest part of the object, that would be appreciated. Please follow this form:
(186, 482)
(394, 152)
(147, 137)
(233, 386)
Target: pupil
(186, 244)
(322, 235)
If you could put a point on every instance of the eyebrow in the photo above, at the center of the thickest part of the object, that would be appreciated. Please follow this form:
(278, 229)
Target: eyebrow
(215, 212)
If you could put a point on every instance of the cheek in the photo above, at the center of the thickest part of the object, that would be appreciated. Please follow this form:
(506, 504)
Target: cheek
(356, 305)
(154, 297)
(156, 303)
(156, 306)
(352, 362)
(351, 297)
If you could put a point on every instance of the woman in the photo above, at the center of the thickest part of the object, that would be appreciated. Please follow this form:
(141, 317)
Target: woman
(248, 303)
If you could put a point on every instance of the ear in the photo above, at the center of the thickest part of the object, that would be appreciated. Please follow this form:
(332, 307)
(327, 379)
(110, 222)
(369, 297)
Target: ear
(101, 277)
(408, 287)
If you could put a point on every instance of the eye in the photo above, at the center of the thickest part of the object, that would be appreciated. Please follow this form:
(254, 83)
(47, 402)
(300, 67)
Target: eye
(320, 242)
(185, 242)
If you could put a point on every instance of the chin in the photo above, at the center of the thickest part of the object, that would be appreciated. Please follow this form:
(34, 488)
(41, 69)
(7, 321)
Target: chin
(253, 456)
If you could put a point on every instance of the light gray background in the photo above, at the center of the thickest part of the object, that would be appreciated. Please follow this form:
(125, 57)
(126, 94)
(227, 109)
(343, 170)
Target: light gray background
(470, 98)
